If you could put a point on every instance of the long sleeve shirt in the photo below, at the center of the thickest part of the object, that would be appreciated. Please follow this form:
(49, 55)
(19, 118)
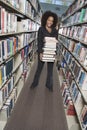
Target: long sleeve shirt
(42, 33)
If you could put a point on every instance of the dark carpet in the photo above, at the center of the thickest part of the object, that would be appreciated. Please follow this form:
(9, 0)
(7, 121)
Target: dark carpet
(38, 109)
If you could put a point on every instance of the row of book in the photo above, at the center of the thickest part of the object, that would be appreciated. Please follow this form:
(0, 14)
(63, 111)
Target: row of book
(78, 17)
(68, 103)
(77, 49)
(23, 6)
(6, 71)
(75, 6)
(6, 90)
(70, 92)
(8, 94)
(73, 89)
(11, 45)
(76, 96)
(76, 32)
(8, 106)
(27, 25)
(9, 23)
(79, 74)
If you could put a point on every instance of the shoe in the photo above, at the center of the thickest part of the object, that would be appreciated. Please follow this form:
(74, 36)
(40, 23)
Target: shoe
(50, 88)
(32, 87)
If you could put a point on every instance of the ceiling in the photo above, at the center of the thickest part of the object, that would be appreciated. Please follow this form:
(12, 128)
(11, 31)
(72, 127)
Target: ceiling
(57, 6)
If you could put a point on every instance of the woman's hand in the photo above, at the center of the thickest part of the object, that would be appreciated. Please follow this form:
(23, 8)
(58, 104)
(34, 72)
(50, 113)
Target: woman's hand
(41, 54)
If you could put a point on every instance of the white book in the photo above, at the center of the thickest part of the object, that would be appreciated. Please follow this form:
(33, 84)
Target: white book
(49, 49)
(47, 56)
(49, 53)
(9, 23)
(23, 6)
(1, 98)
(84, 85)
(1, 57)
(50, 39)
(85, 61)
(4, 114)
(5, 21)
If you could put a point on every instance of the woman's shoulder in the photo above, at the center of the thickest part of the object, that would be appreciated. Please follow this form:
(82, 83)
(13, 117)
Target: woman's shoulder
(54, 29)
(41, 28)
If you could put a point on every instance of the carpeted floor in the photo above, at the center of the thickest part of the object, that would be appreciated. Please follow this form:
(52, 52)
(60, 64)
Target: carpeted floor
(38, 109)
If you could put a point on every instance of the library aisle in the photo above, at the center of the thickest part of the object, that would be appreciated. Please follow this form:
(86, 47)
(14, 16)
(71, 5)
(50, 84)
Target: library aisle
(38, 109)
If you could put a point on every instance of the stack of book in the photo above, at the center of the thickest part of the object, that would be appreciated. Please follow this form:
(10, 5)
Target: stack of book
(49, 49)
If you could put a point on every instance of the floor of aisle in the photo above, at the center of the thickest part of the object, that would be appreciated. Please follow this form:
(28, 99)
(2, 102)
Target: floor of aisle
(38, 109)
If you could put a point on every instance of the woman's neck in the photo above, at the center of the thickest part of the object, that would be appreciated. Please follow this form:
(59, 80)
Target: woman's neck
(49, 29)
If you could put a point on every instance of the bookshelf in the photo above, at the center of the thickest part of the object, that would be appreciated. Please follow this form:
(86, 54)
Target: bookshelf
(19, 23)
(72, 50)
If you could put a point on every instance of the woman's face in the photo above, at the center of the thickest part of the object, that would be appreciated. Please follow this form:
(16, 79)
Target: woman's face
(49, 22)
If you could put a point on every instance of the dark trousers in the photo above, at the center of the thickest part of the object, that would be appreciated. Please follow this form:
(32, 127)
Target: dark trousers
(49, 80)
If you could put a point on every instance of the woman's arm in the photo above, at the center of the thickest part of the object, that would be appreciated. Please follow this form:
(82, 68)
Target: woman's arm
(40, 40)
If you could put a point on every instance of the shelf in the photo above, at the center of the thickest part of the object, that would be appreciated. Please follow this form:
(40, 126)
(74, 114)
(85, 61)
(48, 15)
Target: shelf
(73, 56)
(16, 33)
(76, 108)
(76, 24)
(71, 120)
(76, 10)
(84, 43)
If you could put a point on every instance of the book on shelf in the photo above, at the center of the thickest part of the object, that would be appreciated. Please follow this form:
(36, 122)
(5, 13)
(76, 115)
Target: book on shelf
(26, 25)
(83, 11)
(8, 21)
(77, 49)
(71, 45)
(85, 61)
(23, 6)
(8, 106)
(9, 70)
(74, 91)
(82, 80)
(5, 91)
(71, 109)
(83, 54)
(83, 117)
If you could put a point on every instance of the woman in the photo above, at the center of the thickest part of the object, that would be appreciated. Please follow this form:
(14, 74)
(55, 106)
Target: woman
(48, 29)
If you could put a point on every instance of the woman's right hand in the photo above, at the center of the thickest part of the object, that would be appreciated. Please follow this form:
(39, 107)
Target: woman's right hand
(41, 54)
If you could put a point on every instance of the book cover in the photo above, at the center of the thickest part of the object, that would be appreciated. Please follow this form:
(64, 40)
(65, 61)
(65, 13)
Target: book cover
(9, 69)
(2, 19)
(83, 11)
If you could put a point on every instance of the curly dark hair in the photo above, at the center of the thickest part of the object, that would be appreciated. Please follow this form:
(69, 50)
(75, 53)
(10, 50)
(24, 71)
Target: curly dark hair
(46, 15)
